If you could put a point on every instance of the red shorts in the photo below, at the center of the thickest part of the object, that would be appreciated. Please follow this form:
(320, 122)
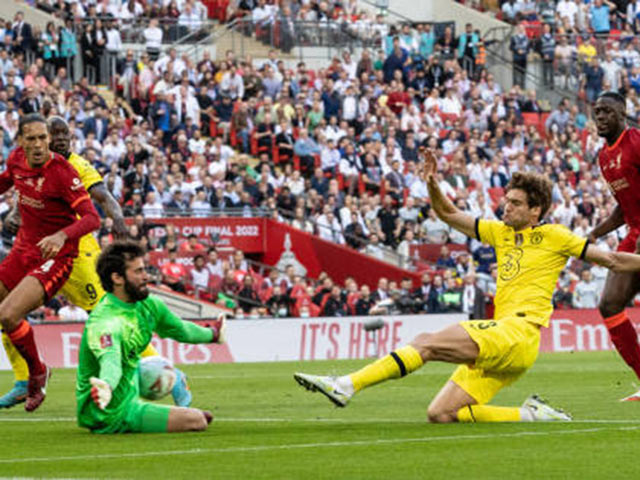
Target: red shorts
(628, 243)
(25, 262)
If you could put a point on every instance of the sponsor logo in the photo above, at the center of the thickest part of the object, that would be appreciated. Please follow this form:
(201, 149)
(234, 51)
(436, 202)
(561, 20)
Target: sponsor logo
(619, 184)
(31, 202)
(76, 184)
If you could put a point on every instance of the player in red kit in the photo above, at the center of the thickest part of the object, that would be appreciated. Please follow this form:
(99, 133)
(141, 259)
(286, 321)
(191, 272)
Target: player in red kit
(56, 211)
(619, 162)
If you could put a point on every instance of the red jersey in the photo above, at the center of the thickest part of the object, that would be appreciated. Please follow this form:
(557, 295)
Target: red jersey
(173, 271)
(620, 166)
(47, 199)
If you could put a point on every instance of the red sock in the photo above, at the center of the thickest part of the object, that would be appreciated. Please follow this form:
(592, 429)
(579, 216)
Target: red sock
(625, 338)
(24, 341)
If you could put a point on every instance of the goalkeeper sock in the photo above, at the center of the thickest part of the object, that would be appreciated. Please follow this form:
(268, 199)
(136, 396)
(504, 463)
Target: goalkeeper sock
(625, 338)
(488, 413)
(18, 364)
(395, 365)
(23, 339)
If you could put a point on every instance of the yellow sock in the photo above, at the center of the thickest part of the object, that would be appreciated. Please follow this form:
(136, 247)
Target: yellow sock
(488, 413)
(18, 364)
(395, 365)
(150, 351)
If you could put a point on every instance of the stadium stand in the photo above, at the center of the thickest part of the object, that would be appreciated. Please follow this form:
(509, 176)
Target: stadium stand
(333, 151)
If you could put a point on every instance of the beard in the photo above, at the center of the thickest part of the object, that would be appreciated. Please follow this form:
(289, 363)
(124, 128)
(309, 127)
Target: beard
(136, 294)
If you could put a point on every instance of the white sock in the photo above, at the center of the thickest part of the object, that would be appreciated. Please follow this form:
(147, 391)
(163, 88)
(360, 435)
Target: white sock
(526, 415)
(345, 384)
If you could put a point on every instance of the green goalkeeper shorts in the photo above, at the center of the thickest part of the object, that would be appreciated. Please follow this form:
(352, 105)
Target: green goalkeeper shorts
(144, 417)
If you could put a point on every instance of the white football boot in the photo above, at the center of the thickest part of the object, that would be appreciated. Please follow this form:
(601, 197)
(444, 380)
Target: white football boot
(328, 386)
(543, 412)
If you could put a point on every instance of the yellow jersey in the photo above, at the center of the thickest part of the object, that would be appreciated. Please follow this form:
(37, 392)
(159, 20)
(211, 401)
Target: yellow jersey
(89, 177)
(529, 263)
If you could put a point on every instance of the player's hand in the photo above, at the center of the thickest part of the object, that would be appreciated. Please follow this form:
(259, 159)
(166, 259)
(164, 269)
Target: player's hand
(12, 222)
(50, 246)
(100, 392)
(430, 165)
(120, 229)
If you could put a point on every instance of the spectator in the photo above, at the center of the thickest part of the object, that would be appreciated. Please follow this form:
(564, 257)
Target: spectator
(72, 313)
(365, 301)
(520, 47)
(586, 293)
(473, 301)
(248, 298)
(174, 273)
(199, 276)
(335, 305)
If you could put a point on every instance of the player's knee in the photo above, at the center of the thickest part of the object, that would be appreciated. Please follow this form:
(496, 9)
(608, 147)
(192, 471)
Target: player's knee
(8, 321)
(437, 415)
(424, 345)
(610, 305)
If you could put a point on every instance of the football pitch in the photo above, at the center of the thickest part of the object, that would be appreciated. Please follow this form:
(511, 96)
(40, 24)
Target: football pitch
(267, 427)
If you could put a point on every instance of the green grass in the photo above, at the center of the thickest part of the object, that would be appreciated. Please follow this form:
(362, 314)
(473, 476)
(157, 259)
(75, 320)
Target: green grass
(268, 427)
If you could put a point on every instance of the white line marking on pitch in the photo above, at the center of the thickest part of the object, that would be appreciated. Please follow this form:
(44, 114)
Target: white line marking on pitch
(297, 446)
(305, 420)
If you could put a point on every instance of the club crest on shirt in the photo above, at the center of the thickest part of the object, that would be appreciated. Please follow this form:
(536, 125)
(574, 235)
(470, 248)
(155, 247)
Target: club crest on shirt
(39, 184)
(106, 341)
(614, 163)
(536, 238)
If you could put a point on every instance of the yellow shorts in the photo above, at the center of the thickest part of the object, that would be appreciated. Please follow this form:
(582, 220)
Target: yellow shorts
(83, 288)
(508, 348)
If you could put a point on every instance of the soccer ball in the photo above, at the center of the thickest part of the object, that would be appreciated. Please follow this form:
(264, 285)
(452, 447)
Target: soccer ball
(157, 377)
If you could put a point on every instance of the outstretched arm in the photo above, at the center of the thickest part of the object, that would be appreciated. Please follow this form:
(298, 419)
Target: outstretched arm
(172, 326)
(609, 224)
(614, 261)
(111, 207)
(443, 207)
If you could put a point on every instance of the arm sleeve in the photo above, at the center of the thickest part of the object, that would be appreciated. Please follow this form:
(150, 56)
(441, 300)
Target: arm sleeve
(170, 325)
(6, 181)
(88, 174)
(88, 221)
(571, 244)
(487, 231)
(105, 342)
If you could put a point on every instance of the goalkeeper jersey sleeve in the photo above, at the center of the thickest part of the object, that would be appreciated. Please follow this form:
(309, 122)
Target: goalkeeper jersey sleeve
(170, 325)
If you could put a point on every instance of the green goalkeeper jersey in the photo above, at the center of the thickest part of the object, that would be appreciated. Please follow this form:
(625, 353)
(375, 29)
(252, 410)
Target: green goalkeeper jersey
(115, 335)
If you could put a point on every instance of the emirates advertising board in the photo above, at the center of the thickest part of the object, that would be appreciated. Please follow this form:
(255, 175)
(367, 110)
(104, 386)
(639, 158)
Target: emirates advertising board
(273, 340)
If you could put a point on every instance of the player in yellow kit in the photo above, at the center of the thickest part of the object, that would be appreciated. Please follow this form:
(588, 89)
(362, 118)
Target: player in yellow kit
(494, 353)
(83, 288)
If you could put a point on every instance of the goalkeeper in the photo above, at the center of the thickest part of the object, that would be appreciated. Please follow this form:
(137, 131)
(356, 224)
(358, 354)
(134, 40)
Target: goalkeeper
(117, 332)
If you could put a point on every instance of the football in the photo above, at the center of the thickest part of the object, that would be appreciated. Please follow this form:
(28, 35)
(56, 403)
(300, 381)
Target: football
(157, 377)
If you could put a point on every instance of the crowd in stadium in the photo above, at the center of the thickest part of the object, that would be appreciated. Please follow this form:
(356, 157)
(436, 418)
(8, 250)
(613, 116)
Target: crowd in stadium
(334, 151)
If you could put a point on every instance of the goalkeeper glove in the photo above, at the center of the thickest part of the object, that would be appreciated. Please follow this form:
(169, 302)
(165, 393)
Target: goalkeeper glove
(100, 392)
(218, 327)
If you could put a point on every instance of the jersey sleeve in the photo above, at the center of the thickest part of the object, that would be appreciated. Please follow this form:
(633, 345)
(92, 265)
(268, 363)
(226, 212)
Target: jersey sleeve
(487, 231)
(170, 325)
(6, 181)
(569, 244)
(87, 173)
(105, 342)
